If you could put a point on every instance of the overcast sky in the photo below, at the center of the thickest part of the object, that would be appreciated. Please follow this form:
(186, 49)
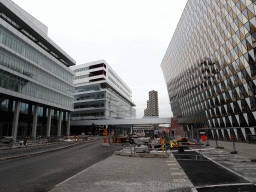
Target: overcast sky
(132, 36)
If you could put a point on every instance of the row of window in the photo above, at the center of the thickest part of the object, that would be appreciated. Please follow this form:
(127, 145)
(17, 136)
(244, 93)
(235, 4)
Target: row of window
(116, 97)
(88, 88)
(118, 86)
(15, 25)
(95, 114)
(81, 69)
(113, 96)
(18, 84)
(21, 47)
(118, 80)
(81, 77)
(15, 63)
(91, 96)
(90, 67)
(118, 105)
(90, 106)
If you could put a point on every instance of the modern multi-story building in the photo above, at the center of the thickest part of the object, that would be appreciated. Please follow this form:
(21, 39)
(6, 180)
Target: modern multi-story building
(36, 84)
(210, 70)
(152, 104)
(100, 93)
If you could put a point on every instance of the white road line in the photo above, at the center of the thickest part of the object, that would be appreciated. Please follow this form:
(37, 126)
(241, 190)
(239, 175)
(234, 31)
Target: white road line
(179, 180)
(231, 184)
(176, 173)
(79, 173)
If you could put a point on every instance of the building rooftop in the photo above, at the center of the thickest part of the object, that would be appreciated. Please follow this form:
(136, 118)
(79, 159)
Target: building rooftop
(33, 29)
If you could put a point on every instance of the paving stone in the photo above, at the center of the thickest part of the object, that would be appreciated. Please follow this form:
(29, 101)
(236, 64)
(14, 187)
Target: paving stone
(122, 173)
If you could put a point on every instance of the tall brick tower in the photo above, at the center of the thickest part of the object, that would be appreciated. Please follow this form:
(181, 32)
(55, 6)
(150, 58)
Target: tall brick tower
(152, 104)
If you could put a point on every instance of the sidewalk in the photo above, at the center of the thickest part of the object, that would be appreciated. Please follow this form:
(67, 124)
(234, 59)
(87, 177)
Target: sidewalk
(131, 174)
(246, 150)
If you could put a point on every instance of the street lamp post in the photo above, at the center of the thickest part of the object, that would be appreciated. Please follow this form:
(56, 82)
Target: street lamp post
(217, 143)
(234, 147)
(207, 138)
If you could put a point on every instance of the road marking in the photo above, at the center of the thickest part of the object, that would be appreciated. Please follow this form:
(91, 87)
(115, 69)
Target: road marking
(174, 168)
(177, 173)
(179, 180)
(231, 184)
(170, 161)
(172, 164)
(208, 149)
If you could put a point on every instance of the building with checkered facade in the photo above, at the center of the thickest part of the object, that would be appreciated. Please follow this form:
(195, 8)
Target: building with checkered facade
(210, 70)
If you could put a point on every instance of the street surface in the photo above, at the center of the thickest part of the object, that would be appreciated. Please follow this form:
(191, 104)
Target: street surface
(21, 151)
(129, 174)
(196, 169)
(42, 172)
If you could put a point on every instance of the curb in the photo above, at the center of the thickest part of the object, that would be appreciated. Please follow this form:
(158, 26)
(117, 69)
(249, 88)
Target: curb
(36, 153)
(145, 155)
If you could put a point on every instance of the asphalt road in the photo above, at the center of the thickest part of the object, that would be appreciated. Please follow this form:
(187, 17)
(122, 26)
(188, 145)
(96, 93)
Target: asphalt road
(202, 171)
(40, 173)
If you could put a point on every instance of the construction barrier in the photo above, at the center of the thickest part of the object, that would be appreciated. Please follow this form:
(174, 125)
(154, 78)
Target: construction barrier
(106, 142)
(120, 139)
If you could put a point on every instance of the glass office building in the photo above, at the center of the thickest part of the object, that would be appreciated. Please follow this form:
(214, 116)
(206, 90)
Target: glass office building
(36, 84)
(100, 94)
(210, 70)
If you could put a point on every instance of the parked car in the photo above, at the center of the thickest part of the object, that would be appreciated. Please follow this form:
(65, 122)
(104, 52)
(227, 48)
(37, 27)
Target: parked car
(7, 140)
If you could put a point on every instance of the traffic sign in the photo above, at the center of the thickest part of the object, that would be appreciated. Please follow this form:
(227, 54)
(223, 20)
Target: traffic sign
(197, 139)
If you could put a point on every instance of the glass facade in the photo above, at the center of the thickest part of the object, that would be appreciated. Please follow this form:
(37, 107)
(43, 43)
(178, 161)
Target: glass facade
(34, 78)
(55, 88)
(100, 100)
(23, 48)
(210, 70)
(107, 102)
(117, 107)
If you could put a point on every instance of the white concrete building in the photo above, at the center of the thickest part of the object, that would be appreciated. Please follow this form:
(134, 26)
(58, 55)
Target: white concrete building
(100, 93)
